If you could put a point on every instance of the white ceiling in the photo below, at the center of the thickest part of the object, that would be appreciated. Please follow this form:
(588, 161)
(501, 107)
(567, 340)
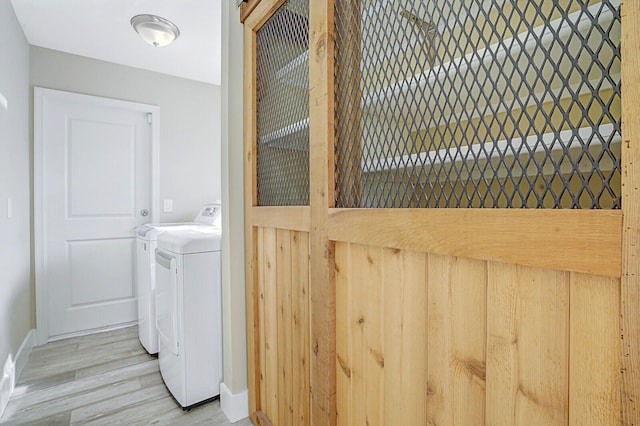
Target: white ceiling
(100, 29)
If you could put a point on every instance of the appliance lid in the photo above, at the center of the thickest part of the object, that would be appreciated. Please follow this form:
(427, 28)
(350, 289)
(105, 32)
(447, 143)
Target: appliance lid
(196, 240)
(151, 230)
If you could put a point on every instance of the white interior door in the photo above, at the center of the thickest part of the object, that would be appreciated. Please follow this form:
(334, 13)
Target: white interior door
(95, 187)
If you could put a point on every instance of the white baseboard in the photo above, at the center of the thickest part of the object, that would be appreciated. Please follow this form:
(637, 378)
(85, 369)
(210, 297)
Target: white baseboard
(25, 350)
(234, 406)
(7, 382)
(12, 370)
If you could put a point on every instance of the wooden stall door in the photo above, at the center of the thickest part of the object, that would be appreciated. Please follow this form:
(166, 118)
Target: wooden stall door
(438, 316)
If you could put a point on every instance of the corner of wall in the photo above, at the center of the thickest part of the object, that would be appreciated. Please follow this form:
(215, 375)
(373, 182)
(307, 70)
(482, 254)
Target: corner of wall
(234, 406)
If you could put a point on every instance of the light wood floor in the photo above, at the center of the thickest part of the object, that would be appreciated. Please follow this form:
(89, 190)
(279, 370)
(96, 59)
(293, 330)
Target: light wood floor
(104, 378)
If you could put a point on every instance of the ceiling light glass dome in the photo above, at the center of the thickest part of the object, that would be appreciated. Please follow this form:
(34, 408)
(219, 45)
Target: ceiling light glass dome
(155, 30)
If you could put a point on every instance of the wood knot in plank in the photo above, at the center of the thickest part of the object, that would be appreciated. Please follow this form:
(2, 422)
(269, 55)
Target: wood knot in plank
(378, 357)
(470, 367)
(321, 48)
(345, 369)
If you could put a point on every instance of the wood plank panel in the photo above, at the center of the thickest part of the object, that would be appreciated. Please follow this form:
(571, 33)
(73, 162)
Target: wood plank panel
(268, 256)
(261, 315)
(527, 345)
(300, 332)
(284, 316)
(630, 161)
(343, 335)
(595, 363)
(456, 340)
(295, 218)
(405, 337)
(571, 240)
(367, 325)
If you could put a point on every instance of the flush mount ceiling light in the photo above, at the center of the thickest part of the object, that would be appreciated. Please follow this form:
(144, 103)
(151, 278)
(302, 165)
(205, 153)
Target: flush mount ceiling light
(155, 30)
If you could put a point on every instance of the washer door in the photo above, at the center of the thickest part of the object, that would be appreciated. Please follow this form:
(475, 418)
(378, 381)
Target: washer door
(167, 301)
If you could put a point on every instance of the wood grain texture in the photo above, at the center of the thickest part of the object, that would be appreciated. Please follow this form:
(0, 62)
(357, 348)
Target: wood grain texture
(572, 240)
(269, 266)
(343, 335)
(295, 218)
(260, 13)
(595, 362)
(284, 316)
(630, 296)
(300, 324)
(129, 390)
(367, 325)
(246, 8)
(348, 157)
(321, 195)
(456, 340)
(527, 346)
(405, 337)
(261, 368)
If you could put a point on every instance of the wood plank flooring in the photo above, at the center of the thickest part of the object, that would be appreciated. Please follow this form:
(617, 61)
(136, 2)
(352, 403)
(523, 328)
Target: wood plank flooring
(104, 378)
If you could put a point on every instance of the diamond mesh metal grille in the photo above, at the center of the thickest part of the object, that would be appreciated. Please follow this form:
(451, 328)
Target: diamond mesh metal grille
(282, 90)
(496, 103)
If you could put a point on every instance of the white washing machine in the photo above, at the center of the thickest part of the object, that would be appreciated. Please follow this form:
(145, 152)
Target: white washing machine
(189, 317)
(147, 241)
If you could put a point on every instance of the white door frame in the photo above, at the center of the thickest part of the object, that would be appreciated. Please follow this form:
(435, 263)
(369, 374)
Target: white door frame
(40, 94)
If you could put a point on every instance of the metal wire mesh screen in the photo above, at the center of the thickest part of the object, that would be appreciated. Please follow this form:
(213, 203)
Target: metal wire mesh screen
(282, 89)
(497, 103)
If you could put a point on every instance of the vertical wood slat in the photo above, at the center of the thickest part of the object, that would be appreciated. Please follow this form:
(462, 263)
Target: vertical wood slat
(367, 352)
(630, 158)
(260, 313)
(284, 314)
(321, 198)
(594, 381)
(456, 336)
(528, 345)
(348, 114)
(300, 324)
(405, 337)
(271, 324)
(343, 335)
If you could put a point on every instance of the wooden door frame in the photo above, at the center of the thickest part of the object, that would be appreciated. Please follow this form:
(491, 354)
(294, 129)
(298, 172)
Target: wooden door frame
(39, 225)
(630, 282)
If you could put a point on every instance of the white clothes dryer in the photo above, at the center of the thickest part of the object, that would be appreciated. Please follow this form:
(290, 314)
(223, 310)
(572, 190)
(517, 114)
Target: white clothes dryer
(189, 317)
(147, 241)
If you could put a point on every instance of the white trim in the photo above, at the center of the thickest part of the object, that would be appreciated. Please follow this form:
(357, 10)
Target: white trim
(234, 406)
(7, 383)
(13, 369)
(22, 356)
(39, 188)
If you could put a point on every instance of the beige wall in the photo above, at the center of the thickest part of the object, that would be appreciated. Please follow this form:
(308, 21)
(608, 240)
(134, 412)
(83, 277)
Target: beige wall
(189, 120)
(235, 347)
(15, 177)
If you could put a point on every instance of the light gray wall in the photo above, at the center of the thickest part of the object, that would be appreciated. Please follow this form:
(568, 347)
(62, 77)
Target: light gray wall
(235, 347)
(15, 178)
(189, 120)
